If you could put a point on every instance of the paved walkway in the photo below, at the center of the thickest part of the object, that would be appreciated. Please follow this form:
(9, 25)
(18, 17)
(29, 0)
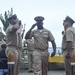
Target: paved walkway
(52, 72)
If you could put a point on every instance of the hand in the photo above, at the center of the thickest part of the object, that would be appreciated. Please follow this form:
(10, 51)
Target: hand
(67, 55)
(16, 26)
(52, 54)
(33, 26)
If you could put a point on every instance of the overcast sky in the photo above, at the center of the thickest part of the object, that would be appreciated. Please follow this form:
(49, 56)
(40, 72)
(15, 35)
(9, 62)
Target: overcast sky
(54, 12)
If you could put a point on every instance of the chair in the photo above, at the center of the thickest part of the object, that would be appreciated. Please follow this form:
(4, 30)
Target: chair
(3, 66)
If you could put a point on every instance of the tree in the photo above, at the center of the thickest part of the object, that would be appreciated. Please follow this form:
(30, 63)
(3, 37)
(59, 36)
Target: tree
(5, 21)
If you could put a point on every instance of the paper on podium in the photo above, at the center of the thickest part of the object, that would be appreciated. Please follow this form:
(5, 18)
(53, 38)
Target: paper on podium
(11, 62)
(72, 63)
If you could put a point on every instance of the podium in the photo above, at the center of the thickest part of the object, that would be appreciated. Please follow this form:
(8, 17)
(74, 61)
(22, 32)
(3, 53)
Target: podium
(73, 68)
(3, 66)
(73, 63)
(11, 62)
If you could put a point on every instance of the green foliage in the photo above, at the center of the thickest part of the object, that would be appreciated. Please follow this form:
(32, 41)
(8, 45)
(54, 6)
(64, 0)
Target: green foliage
(3, 36)
(5, 22)
(24, 50)
(4, 19)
